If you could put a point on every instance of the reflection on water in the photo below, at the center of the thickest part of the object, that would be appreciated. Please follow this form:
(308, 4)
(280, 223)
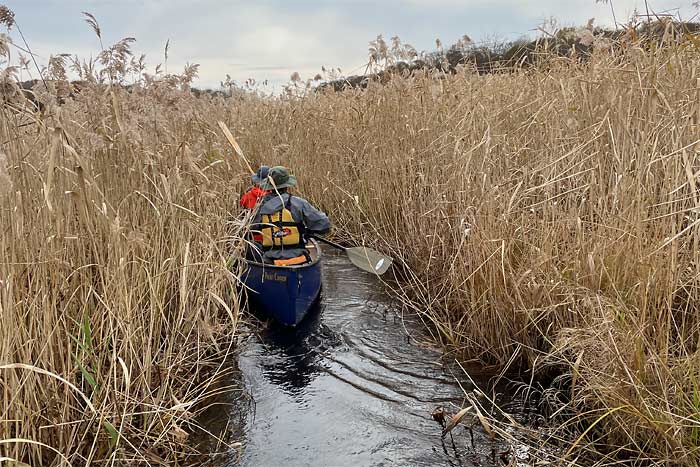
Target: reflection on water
(295, 355)
(350, 387)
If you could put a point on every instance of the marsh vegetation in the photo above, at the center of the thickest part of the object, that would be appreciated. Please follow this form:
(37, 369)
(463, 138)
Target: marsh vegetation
(543, 219)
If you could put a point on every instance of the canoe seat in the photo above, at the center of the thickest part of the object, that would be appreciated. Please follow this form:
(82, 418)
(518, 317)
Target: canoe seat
(301, 259)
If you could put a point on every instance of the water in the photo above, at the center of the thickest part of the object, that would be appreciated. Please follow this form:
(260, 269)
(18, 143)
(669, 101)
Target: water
(354, 385)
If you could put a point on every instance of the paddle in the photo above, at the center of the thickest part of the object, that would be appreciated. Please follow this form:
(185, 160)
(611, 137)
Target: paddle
(364, 258)
(234, 144)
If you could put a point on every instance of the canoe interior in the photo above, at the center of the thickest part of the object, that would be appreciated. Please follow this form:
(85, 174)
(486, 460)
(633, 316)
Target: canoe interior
(286, 293)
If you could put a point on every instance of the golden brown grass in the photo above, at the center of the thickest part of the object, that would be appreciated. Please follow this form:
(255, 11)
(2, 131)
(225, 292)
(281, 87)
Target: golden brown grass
(547, 215)
(115, 297)
(542, 218)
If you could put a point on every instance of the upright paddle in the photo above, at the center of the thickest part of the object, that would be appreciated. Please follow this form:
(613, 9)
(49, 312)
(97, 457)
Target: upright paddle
(234, 144)
(364, 258)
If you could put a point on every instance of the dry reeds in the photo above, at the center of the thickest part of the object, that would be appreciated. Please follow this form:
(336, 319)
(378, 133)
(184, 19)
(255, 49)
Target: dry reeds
(549, 210)
(116, 301)
(547, 214)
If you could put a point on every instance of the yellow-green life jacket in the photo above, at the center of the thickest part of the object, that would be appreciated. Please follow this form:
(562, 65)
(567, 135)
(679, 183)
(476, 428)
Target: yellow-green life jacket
(279, 230)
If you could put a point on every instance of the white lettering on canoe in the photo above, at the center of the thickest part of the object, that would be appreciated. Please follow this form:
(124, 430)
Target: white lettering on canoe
(268, 276)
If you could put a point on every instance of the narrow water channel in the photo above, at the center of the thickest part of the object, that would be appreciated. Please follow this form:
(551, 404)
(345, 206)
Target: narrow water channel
(354, 385)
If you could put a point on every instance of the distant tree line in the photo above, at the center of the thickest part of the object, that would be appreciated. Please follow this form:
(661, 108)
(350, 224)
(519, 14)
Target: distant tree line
(507, 56)
(386, 61)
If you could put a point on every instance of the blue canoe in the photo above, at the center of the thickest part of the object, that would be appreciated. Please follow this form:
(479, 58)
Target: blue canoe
(286, 293)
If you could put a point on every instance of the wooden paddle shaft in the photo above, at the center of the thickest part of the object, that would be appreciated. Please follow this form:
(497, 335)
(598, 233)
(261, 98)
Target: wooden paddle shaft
(232, 141)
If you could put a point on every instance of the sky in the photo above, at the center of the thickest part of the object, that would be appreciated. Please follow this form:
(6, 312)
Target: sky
(271, 39)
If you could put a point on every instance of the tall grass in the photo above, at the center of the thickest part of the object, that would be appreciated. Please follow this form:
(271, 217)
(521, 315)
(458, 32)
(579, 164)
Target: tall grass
(543, 217)
(115, 297)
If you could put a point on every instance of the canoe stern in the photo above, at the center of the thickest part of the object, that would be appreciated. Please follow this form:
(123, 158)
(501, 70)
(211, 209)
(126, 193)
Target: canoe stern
(285, 293)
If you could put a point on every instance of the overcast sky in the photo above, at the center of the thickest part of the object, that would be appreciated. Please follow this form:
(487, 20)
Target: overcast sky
(270, 39)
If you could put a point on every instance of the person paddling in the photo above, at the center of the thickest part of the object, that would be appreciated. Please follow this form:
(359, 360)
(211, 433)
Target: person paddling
(251, 197)
(284, 220)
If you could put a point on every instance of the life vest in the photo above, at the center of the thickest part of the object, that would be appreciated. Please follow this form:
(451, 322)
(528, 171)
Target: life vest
(279, 230)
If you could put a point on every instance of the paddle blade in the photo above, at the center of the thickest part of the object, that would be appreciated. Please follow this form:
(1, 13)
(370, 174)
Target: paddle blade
(369, 260)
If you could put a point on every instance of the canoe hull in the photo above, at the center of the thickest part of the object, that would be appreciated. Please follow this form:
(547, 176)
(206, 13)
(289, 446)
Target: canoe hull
(286, 293)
